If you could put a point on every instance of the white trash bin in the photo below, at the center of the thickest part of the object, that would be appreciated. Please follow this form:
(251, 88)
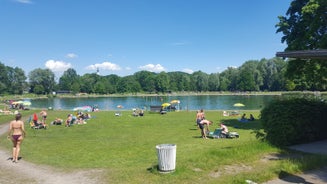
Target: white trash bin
(166, 157)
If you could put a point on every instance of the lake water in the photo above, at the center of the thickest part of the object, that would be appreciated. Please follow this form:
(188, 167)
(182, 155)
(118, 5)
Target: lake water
(207, 102)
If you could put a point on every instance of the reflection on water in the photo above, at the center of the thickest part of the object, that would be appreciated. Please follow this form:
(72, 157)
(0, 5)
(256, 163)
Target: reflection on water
(207, 102)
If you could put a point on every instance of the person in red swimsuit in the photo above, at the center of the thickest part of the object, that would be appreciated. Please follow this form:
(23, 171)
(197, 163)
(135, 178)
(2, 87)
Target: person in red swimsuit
(16, 134)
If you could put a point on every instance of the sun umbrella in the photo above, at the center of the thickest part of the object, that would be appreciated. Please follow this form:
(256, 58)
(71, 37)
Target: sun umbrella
(83, 108)
(174, 101)
(165, 104)
(17, 102)
(238, 105)
(27, 103)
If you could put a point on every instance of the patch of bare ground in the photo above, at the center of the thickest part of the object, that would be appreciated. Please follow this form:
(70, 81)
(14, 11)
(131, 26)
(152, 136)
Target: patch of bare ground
(238, 168)
(25, 172)
(230, 169)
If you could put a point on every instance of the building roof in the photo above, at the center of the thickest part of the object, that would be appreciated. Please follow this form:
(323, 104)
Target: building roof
(304, 54)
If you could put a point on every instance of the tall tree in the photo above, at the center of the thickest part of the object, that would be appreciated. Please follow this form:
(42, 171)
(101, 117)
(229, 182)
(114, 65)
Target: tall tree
(228, 79)
(213, 82)
(88, 81)
(112, 83)
(128, 84)
(179, 81)
(16, 80)
(199, 81)
(3, 79)
(69, 81)
(162, 82)
(272, 72)
(147, 80)
(42, 81)
(248, 76)
(305, 28)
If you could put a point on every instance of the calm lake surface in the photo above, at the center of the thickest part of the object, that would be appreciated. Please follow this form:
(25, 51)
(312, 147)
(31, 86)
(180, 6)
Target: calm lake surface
(207, 102)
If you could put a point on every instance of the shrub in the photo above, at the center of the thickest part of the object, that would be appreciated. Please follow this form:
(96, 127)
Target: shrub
(293, 121)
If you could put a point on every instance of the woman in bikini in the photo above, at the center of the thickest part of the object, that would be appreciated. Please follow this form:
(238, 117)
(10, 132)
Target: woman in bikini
(16, 134)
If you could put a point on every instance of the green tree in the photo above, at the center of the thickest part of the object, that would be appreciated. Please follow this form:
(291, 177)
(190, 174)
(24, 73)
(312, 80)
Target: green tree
(122, 86)
(16, 83)
(199, 81)
(88, 81)
(213, 82)
(228, 79)
(179, 81)
(70, 81)
(42, 81)
(273, 74)
(162, 82)
(305, 28)
(147, 80)
(185, 82)
(112, 83)
(248, 77)
(3, 79)
(133, 85)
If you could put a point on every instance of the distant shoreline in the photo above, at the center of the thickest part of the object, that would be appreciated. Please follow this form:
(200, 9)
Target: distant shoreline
(84, 95)
(172, 94)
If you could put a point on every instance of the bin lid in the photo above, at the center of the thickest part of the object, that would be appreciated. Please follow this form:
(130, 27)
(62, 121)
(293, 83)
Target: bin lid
(165, 146)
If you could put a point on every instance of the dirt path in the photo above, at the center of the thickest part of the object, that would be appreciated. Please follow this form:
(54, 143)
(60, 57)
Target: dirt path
(25, 172)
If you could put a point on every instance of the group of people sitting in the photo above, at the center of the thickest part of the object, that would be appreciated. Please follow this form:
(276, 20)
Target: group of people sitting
(38, 124)
(245, 119)
(138, 112)
(78, 118)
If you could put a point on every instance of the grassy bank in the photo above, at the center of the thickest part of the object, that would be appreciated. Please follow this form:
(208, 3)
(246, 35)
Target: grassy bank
(124, 147)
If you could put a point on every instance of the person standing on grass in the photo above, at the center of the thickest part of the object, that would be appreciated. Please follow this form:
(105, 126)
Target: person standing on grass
(16, 134)
(199, 117)
(204, 127)
(43, 114)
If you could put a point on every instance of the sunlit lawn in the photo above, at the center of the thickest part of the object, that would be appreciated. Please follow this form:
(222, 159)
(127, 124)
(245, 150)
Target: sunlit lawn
(124, 147)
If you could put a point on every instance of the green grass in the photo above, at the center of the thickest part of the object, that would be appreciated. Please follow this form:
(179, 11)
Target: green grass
(125, 148)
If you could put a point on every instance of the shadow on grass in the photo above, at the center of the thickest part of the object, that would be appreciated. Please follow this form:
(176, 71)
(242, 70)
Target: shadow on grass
(153, 169)
(250, 125)
(193, 129)
(287, 177)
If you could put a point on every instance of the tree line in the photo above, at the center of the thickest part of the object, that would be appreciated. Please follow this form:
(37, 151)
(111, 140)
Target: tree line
(253, 75)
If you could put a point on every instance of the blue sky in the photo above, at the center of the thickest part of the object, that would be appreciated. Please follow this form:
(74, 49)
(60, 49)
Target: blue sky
(125, 36)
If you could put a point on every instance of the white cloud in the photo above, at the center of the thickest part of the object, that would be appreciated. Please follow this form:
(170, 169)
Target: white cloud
(152, 68)
(57, 66)
(71, 55)
(104, 66)
(187, 70)
(24, 1)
